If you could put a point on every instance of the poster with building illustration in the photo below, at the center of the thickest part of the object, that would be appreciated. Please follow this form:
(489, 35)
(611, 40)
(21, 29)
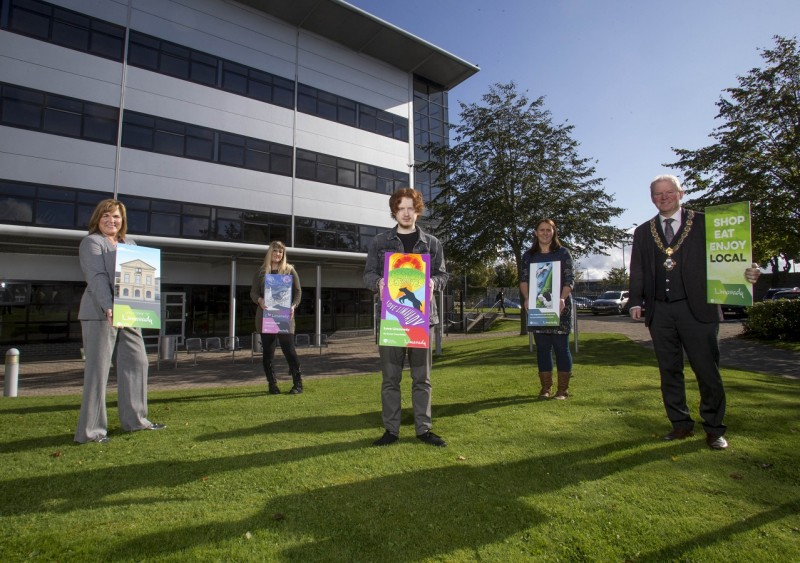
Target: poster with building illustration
(137, 287)
(729, 251)
(544, 294)
(405, 316)
(277, 311)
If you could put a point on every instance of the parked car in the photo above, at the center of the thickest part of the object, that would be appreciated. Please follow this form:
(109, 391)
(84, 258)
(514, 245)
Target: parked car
(736, 311)
(582, 303)
(614, 302)
(788, 294)
(773, 290)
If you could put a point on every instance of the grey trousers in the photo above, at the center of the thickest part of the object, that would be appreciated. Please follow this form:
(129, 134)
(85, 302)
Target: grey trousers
(392, 360)
(132, 365)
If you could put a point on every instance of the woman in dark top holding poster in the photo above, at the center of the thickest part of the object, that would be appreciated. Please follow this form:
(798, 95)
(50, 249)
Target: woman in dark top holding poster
(547, 248)
(275, 263)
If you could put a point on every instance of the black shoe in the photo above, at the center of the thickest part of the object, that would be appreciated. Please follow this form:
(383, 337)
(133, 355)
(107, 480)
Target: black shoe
(273, 389)
(432, 439)
(678, 434)
(101, 440)
(156, 426)
(386, 440)
(716, 442)
(296, 390)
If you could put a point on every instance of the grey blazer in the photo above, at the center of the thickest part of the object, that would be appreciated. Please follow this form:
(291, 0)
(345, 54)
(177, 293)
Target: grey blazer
(98, 260)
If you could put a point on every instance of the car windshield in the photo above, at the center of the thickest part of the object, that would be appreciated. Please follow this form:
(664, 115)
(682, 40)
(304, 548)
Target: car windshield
(610, 295)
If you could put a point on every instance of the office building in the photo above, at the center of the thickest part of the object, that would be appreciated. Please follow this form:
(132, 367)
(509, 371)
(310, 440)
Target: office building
(222, 126)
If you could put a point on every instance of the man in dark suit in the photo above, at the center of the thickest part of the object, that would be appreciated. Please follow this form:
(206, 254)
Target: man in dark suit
(668, 276)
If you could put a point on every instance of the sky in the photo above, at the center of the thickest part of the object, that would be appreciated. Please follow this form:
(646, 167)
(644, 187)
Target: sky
(634, 77)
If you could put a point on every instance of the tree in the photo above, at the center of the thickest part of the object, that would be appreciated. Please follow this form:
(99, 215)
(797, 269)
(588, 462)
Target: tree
(509, 166)
(505, 274)
(616, 277)
(756, 155)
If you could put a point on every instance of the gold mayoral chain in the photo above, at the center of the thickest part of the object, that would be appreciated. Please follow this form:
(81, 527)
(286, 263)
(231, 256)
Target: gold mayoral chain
(669, 263)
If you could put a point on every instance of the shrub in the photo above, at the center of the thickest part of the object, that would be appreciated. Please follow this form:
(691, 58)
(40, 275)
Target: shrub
(774, 320)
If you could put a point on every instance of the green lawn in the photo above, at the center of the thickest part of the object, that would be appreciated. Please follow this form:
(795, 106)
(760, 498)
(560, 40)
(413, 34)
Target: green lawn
(242, 476)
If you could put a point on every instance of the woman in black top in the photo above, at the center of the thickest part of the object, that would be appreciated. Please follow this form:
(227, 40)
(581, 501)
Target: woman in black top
(275, 263)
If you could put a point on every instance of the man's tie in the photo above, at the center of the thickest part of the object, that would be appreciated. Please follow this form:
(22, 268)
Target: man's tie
(668, 232)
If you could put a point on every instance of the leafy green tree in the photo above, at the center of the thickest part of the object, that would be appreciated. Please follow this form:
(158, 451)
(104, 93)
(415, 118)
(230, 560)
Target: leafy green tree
(505, 274)
(508, 167)
(756, 154)
(616, 277)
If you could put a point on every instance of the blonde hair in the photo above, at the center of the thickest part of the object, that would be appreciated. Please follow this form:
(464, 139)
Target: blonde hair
(284, 267)
(109, 206)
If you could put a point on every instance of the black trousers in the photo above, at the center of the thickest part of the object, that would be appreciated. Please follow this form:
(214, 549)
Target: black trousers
(268, 342)
(675, 330)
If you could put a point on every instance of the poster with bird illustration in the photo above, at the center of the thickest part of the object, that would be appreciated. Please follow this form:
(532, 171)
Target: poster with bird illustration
(405, 314)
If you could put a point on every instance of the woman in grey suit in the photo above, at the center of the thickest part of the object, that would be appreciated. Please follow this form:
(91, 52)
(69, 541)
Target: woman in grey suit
(98, 253)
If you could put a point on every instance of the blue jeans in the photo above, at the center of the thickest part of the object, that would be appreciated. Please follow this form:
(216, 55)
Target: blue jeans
(546, 344)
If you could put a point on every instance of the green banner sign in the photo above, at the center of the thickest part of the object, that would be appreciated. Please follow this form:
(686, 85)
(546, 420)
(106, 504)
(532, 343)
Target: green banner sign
(729, 252)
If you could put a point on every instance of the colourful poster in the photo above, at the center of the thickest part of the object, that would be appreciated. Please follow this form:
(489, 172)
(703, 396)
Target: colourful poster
(405, 317)
(277, 303)
(544, 294)
(728, 252)
(137, 287)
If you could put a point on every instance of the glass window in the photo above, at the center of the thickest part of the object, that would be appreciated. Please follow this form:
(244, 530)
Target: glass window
(281, 163)
(55, 214)
(231, 150)
(53, 193)
(283, 93)
(203, 73)
(367, 179)
(174, 65)
(100, 123)
(195, 227)
(366, 119)
(306, 166)
(107, 40)
(138, 221)
(70, 35)
(279, 232)
(384, 126)
(137, 136)
(61, 122)
(165, 206)
(326, 239)
(306, 103)
(167, 142)
(32, 20)
(347, 112)
(256, 233)
(201, 148)
(257, 160)
(143, 51)
(259, 90)
(229, 230)
(346, 173)
(304, 237)
(22, 107)
(326, 106)
(234, 78)
(165, 225)
(199, 210)
(326, 173)
(16, 210)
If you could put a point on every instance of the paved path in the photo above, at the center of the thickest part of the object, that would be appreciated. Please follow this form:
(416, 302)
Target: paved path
(359, 356)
